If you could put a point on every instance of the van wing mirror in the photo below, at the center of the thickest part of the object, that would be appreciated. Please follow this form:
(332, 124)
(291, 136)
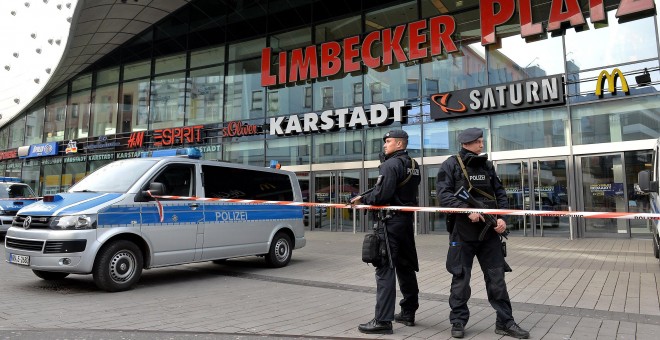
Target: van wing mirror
(157, 188)
(645, 183)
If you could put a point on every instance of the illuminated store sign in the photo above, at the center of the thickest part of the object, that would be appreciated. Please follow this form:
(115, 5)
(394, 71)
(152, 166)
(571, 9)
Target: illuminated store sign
(9, 154)
(102, 143)
(331, 120)
(178, 135)
(238, 129)
(41, 150)
(525, 94)
(611, 82)
(136, 139)
(429, 37)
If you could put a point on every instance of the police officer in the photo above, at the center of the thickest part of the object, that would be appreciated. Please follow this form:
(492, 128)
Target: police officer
(398, 185)
(474, 171)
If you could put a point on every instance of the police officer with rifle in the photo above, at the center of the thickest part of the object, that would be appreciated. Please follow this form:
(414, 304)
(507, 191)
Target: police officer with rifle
(398, 185)
(462, 180)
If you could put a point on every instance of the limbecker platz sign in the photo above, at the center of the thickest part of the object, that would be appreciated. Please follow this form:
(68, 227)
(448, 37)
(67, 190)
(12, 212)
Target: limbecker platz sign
(521, 95)
(428, 37)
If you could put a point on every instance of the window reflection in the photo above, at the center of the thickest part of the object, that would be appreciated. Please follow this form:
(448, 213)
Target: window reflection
(513, 60)
(104, 112)
(251, 153)
(54, 122)
(338, 147)
(206, 96)
(133, 108)
(440, 137)
(533, 129)
(168, 95)
(77, 118)
(289, 151)
(611, 45)
(616, 121)
(244, 92)
(34, 126)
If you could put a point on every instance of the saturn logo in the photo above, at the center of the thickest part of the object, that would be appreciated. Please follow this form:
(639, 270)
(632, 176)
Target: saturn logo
(26, 222)
(442, 99)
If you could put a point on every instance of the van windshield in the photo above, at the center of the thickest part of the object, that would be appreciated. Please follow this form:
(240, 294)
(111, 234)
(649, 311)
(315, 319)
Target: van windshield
(117, 176)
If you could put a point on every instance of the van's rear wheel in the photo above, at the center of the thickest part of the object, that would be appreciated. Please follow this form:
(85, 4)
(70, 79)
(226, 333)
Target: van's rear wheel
(49, 275)
(279, 254)
(118, 266)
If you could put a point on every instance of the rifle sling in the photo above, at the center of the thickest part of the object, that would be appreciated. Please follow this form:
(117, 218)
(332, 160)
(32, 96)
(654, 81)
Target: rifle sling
(479, 191)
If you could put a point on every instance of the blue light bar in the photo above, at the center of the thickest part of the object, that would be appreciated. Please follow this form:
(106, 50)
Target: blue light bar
(10, 179)
(192, 153)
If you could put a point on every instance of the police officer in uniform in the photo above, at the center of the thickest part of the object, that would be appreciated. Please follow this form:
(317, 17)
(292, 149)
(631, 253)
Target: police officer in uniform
(464, 235)
(398, 185)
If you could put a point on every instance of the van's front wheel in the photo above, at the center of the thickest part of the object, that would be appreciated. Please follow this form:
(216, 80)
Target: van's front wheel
(118, 266)
(279, 254)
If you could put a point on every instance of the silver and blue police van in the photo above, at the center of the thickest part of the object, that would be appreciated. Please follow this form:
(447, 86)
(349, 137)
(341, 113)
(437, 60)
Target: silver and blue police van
(14, 195)
(157, 211)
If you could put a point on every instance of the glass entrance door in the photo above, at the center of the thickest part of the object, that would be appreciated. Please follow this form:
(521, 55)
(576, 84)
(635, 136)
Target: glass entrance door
(333, 187)
(536, 184)
(603, 189)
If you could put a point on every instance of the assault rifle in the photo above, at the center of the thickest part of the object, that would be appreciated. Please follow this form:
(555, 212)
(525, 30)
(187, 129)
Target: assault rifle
(491, 221)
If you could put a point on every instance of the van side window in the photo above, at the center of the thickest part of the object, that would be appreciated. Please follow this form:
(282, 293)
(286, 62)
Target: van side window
(224, 182)
(178, 179)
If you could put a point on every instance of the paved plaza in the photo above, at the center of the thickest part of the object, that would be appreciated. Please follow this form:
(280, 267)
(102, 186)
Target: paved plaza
(591, 288)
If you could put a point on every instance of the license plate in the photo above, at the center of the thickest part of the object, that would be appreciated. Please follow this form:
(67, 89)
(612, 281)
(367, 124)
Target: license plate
(19, 259)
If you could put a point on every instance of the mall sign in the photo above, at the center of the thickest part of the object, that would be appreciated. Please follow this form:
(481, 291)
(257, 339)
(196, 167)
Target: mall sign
(429, 37)
(520, 95)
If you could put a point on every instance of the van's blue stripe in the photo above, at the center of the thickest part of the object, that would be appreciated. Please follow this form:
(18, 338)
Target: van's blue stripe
(206, 212)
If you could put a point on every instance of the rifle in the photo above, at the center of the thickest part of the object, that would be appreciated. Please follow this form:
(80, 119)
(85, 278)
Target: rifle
(382, 220)
(464, 196)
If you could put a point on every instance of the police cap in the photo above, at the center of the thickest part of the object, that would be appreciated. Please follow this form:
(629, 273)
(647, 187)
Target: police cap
(470, 135)
(395, 134)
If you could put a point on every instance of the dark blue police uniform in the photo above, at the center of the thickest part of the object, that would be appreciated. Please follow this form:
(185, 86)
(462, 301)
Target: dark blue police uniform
(394, 170)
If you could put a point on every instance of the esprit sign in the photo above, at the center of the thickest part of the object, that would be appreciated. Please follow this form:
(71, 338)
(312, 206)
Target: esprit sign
(428, 37)
(331, 120)
(525, 94)
(178, 135)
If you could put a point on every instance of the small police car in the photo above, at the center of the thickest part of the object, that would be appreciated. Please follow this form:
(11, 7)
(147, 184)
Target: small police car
(14, 195)
(155, 211)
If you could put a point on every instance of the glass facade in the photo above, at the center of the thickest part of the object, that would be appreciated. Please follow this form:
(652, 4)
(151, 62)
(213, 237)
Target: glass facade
(151, 93)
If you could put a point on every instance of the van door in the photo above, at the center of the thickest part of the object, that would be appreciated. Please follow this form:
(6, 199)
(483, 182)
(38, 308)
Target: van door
(175, 239)
(236, 229)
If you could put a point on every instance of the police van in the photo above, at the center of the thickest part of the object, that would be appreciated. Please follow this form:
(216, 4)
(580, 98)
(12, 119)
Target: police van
(14, 195)
(155, 211)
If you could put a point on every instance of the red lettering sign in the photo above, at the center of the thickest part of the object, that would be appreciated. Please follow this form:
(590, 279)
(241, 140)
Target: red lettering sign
(237, 129)
(9, 154)
(136, 139)
(572, 15)
(303, 64)
(178, 135)
(491, 19)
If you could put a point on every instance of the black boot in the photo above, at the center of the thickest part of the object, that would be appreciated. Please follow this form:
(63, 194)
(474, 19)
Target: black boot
(457, 330)
(405, 317)
(376, 327)
(514, 330)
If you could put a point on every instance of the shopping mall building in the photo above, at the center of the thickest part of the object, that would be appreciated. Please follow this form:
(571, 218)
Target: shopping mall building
(566, 92)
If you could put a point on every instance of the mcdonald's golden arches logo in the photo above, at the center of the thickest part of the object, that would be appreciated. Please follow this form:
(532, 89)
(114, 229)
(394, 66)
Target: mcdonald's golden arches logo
(611, 82)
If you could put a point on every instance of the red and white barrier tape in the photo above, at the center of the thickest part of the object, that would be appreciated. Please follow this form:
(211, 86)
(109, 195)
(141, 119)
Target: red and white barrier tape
(585, 214)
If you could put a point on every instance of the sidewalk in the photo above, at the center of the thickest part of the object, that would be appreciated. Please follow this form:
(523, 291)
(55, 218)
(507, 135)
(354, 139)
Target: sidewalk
(560, 289)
